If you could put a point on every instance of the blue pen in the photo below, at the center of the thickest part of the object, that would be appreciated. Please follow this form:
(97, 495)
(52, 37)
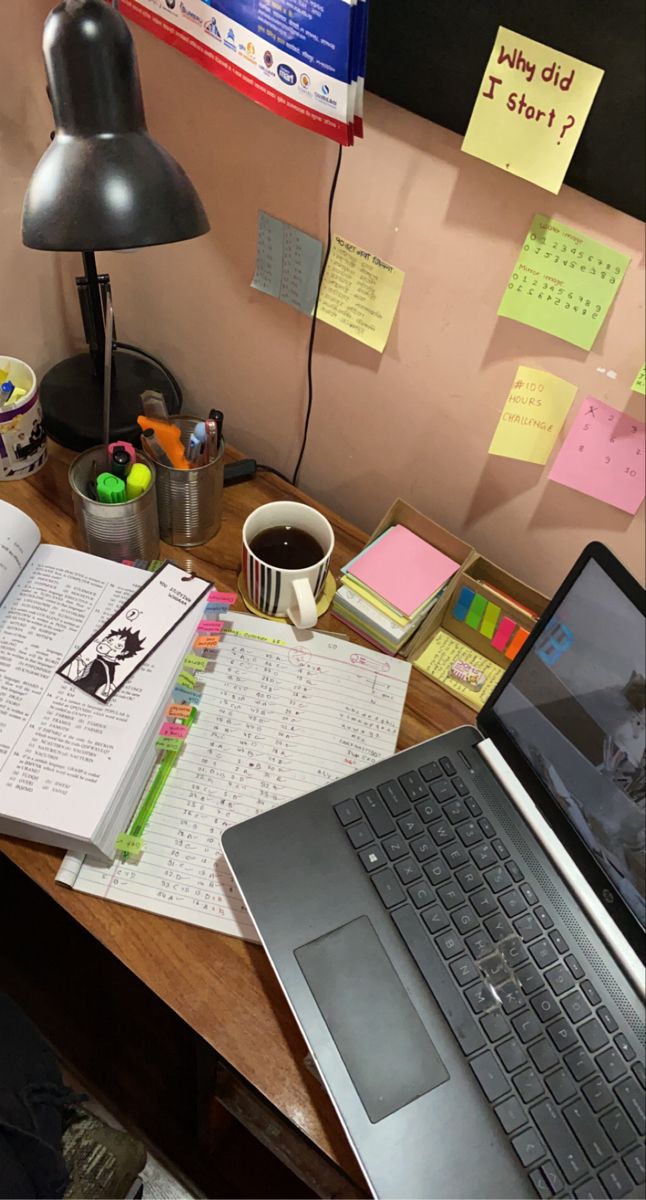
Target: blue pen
(196, 443)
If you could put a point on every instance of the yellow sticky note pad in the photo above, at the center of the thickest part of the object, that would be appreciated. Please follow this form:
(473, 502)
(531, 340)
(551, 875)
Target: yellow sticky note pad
(359, 294)
(442, 652)
(531, 108)
(533, 416)
(640, 382)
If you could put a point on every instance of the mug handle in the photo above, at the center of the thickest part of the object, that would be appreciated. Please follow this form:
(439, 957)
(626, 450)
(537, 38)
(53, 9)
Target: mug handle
(303, 613)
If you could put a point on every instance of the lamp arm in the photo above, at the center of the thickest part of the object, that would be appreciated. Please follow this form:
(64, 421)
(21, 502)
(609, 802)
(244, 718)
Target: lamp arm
(93, 314)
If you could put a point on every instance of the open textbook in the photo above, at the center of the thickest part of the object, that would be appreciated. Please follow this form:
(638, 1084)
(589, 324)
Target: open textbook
(71, 768)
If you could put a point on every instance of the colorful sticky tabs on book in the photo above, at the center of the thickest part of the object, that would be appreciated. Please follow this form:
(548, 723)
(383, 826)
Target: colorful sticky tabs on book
(463, 603)
(210, 627)
(490, 620)
(128, 843)
(476, 611)
(187, 680)
(168, 743)
(503, 634)
(180, 711)
(170, 729)
(518, 640)
(207, 641)
(225, 599)
(195, 663)
(184, 695)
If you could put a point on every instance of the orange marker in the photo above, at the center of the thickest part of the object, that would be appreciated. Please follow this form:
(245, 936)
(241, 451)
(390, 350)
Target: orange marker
(169, 438)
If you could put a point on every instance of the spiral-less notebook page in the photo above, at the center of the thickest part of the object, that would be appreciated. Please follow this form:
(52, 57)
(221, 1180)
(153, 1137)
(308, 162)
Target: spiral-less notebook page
(282, 713)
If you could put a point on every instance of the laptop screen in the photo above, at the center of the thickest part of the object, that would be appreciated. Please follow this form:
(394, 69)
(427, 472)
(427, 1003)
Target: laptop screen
(575, 709)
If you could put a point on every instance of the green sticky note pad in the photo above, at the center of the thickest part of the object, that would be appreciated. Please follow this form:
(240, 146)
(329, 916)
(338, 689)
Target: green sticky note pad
(476, 611)
(126, 843)
(195, 663)
(490, 620)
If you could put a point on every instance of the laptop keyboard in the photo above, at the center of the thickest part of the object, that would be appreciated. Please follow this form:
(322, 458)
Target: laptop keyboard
(563, 1079)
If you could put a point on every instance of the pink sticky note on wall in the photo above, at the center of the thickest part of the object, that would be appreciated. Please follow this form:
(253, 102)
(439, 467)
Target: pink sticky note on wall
(502, 636)
(604, 455)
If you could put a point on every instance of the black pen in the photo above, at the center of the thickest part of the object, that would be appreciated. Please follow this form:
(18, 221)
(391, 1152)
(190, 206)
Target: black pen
(218, 417)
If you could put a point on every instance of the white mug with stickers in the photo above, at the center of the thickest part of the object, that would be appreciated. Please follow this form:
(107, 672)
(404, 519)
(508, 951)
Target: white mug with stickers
(286, 551)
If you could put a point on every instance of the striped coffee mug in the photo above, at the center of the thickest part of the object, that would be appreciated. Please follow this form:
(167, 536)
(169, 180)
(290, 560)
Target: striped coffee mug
(283, 591)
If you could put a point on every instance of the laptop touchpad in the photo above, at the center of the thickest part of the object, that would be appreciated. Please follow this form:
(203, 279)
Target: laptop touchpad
(379, 1035)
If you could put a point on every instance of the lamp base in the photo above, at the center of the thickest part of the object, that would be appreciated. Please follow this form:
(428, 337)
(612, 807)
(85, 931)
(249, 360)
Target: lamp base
(72, 399)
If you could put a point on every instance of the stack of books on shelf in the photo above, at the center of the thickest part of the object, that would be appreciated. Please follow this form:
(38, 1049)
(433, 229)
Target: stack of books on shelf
(389, 588)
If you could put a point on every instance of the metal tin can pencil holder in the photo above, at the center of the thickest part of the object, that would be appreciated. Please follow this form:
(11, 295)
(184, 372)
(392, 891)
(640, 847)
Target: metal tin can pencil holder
(116, 531)
(189, 502)
(23, 445)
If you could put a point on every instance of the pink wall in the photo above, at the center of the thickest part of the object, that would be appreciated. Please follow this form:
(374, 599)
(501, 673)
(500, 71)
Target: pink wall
(414, 422)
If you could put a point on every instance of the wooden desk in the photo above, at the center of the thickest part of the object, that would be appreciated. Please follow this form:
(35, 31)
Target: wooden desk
(222, 987)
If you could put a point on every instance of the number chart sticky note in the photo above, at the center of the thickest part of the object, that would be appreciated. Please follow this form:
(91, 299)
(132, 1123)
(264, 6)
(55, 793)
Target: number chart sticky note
(533, 416)
(563, 282)
(360, 294)
(288, 263)
(531, 109)
(640, 382)
(603, 456)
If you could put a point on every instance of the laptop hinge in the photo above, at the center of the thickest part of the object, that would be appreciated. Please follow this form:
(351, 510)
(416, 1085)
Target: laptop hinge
(605, 926)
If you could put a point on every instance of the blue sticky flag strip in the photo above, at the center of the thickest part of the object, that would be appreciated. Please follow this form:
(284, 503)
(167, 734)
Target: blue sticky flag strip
(463, 603)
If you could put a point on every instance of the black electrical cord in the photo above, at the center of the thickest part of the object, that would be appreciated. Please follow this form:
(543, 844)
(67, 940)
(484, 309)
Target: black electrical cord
(162, 366)
(310, 349)
(264, 467)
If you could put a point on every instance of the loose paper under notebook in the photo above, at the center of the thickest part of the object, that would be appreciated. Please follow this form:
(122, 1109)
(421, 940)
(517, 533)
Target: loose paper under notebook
(281, 714)
(403, 569)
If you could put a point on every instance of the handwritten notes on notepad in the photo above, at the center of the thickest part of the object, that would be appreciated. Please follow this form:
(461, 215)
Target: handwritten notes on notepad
(640, 382)
(563, 282)
(288, 263)
(531, 108)
(533, 416)
(278, 718)
(604, 455)
(360, 294)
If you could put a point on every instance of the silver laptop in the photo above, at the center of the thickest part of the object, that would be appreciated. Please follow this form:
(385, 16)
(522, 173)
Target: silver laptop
(459, 930)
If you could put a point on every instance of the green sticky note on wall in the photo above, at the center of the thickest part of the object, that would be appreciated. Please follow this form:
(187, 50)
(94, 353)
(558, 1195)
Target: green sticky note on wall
(563, 282)
(476, 611)
(490, 620)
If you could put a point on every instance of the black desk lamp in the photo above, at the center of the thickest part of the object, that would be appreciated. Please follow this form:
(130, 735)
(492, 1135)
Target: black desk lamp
(103, 184)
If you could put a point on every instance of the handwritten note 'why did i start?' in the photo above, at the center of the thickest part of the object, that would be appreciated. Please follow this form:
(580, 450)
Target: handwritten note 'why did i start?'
(531, 108)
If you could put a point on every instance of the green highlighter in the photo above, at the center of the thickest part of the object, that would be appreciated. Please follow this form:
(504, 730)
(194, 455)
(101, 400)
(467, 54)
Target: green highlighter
(110, 489)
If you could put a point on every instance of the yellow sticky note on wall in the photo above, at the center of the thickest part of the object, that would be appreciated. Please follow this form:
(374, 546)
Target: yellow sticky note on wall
(533, 416)
(531, 108)
(359, 294)
(640, 382)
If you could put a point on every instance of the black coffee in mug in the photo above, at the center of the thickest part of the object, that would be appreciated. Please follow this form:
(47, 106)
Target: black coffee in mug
(287, 548)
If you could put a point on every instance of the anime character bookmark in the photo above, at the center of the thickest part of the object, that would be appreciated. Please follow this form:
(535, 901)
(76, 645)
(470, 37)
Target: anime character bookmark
(113, 654)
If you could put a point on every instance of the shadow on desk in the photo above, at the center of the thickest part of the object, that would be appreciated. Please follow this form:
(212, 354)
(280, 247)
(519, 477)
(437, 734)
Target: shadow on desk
(145, 1064)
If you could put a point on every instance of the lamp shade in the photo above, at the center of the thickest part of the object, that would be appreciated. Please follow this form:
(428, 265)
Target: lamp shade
(103, 183)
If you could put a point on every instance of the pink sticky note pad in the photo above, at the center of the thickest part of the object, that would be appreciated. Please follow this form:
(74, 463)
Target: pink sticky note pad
(403, 569)
(604, 455)
(170, 729)
(502, 636)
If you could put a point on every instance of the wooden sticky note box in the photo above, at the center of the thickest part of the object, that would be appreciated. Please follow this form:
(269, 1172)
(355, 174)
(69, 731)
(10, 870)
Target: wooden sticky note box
(486, 608)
